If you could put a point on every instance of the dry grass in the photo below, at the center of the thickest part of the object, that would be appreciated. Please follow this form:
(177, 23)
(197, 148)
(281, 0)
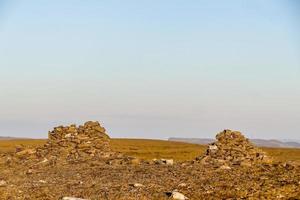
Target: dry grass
(284, 154)
(149, 149)
(10, 145)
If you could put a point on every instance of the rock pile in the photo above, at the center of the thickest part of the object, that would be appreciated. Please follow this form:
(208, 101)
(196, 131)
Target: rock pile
(76, 143)
(232, 148)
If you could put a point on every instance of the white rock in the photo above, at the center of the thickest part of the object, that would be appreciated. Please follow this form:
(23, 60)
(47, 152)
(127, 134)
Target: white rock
(226, 167)
(137, 185)
(167, 161)
(72, 198)
(213, 147)
(42, 181)
(3, 183)
(178, 196)
(44, 161)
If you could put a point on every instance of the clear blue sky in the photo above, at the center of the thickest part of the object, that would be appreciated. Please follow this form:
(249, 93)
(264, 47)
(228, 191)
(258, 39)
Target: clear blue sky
(151, 69)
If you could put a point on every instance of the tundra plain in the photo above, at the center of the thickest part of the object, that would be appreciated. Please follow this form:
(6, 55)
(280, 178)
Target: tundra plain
(150, 149)
(84, 163)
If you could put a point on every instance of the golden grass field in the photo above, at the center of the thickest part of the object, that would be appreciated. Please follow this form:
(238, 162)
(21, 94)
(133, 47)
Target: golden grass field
(149, 149)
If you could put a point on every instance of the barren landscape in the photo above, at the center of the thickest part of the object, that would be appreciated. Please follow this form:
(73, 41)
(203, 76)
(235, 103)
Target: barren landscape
(82, 162)
(149, 100)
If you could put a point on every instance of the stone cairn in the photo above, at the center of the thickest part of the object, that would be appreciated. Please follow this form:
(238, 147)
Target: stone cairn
(232, 148)
(75, 143)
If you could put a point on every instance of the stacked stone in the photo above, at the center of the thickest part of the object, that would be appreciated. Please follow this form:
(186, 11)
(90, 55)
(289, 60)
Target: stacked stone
(76, 143)
(232, 148)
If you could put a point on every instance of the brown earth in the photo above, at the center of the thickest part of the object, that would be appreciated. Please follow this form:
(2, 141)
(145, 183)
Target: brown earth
(81, 163)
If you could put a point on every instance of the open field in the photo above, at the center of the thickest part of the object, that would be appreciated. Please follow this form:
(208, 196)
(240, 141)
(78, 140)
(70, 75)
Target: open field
(150, 149)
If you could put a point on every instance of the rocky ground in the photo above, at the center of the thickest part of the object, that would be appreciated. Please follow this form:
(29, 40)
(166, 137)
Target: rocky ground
(77, 162)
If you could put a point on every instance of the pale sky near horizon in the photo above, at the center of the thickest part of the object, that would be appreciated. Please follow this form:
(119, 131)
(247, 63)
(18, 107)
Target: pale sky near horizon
(151, 69)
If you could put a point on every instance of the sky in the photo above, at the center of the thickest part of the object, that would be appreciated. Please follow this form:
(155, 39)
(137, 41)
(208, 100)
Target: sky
(151, 69)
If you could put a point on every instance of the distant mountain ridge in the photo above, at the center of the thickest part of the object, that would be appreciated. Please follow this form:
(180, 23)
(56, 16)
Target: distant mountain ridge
(10, 138)
(257, 142)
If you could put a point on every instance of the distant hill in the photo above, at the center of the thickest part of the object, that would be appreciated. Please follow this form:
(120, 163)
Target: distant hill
(10, 138)
(257, 142)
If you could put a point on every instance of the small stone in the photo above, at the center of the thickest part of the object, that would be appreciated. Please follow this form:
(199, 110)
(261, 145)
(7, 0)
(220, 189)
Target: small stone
(213, 147)
(25, 152)
(169, 161)
(182, 185)
(178, 196)
(155, 161)
(45, 160)
(3, 183)
(137, 185)
(164, 161)
(99, 129)
(225, 167)
(42, 181)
